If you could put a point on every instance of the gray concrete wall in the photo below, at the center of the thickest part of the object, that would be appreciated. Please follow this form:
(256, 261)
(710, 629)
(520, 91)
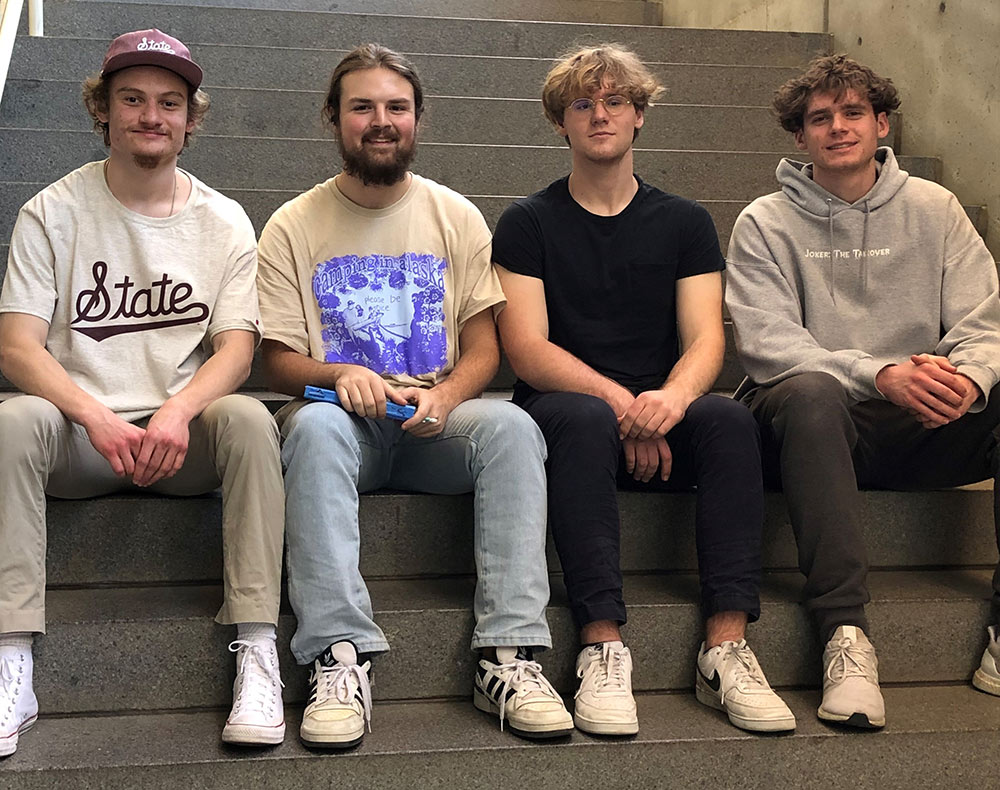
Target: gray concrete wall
(798, 15)
(943, 56)
(945, 59)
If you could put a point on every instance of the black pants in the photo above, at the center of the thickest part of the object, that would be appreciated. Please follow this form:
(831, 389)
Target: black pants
(822, 447)
(715, 447)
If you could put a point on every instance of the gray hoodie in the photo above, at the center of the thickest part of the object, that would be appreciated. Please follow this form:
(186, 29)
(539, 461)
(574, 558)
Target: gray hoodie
(815, 284)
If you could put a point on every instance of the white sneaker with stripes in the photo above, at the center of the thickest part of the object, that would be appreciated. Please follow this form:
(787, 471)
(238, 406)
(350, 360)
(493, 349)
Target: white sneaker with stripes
(340, 706)
(515, 690)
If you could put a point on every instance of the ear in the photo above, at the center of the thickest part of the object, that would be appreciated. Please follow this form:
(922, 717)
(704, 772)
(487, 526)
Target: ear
(560, 130)
(800, 140)
(882, 125)
(640, 118)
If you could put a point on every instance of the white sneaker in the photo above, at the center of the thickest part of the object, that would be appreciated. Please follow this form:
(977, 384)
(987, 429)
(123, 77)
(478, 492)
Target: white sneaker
(515, 689)
(987, 677)
(257, 717)
(604, 701)
(850, 681)
(341, 701)
(729, 678)
(18, 705)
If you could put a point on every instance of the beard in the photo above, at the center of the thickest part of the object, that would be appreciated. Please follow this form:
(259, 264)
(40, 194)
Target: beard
(147, 161)
(377, 171)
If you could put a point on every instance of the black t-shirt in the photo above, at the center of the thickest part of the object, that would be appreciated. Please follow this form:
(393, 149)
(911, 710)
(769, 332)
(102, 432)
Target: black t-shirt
(610, 282)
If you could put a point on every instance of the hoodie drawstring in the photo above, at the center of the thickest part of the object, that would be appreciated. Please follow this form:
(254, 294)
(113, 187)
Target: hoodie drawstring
(833, 266)
(864, 246)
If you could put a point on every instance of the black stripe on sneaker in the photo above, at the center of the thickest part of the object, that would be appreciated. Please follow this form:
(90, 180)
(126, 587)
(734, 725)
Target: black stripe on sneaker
(491, 686)
(510, 693)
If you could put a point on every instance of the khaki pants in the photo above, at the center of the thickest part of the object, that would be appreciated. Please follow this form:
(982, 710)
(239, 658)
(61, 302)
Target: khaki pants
(233, 443)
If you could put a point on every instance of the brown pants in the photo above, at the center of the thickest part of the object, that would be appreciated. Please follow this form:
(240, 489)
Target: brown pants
(233, 443)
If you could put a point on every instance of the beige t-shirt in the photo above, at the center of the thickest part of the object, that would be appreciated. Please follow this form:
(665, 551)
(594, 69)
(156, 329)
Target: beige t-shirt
(132, 301)
(389, 289)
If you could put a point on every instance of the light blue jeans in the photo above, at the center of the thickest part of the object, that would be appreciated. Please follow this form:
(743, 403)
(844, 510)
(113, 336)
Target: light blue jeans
(490, 447)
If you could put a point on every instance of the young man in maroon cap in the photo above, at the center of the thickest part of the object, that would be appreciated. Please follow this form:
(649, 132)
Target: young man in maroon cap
(132, 260)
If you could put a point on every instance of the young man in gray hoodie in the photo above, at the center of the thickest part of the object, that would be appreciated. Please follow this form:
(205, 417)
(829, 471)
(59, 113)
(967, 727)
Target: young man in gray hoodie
(868, 321)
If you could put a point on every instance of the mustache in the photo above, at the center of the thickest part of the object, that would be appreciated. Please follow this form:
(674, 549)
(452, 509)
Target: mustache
(380, 134)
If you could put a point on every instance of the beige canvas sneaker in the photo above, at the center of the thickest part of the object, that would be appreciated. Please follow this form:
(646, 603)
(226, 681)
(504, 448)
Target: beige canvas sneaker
(850, 681)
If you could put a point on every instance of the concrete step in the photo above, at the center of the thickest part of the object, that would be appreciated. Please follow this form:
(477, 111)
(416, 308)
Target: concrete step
(297, 164)
(154, 648)
(283, 68)
(609, 12)
(140, 539)
(936, 737)
(303, 29)
(243, 112)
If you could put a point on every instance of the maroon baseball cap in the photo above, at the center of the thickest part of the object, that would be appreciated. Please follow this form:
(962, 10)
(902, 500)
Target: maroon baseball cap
(151, 48)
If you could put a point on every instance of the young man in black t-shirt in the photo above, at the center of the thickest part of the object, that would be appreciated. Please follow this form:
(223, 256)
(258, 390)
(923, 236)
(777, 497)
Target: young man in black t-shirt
(606, 279)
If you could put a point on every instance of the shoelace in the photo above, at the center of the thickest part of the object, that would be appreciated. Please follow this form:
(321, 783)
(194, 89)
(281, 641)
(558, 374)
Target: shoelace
(253, 665)
(526, 677)
(748, 670)
(612, 668)
(853, 659)
(335, 682)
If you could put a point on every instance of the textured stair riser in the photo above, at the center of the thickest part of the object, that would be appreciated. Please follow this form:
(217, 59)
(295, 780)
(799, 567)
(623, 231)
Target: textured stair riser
(31, 104)
(42, 156)
(128, 539)
(303, 30)
(179, 661)
(265, 67)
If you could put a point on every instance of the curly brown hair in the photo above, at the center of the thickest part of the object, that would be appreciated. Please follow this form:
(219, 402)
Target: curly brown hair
(371, 56)
(585, 71)
(832, 74)
(97, 99)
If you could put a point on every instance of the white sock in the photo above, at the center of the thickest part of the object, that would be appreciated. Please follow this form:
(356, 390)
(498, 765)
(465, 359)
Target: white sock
(256, 632)
(22, 639)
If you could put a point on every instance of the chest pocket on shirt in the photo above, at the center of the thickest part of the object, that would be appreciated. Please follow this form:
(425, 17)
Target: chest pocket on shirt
(648, 277)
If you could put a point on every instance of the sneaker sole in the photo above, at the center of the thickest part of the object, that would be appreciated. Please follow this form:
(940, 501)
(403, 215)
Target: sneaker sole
(486, 705)
(592, 727)
(9, 745)
(250, 735)
(984, 682)
(334, 741)
(856, 719)
(708, 697)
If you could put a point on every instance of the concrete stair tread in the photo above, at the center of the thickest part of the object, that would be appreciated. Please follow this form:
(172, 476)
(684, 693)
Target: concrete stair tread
(308, 29)
(418, 737)
(56, 57)
(628, 12)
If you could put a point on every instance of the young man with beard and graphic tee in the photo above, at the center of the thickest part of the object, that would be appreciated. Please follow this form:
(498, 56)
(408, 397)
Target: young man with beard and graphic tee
(605, 276)
(128, 315)
(867, 319)
(377, 284)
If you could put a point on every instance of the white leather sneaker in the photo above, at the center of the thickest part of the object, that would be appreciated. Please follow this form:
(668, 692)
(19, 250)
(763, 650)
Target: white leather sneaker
(604, 702)
(515, 689)
(729, 678)
(341, 701)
